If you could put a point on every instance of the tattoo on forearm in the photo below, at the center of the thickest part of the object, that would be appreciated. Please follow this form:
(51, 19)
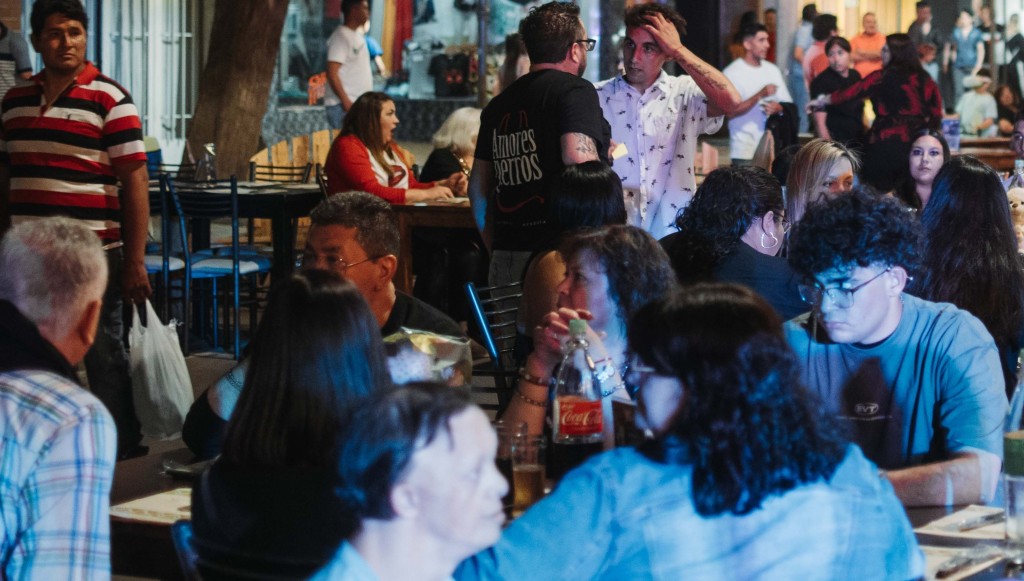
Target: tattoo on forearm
(706, 72)
(585, 144)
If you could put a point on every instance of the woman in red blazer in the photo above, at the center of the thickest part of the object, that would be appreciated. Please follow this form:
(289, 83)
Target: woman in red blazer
(364, 157)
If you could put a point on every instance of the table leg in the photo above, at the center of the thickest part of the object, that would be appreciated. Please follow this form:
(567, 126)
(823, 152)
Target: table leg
(403, 278)
(284, 248)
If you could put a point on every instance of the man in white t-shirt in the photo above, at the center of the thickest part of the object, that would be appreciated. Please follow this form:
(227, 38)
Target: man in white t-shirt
(762, 89)
(658, 117)
(348, 61)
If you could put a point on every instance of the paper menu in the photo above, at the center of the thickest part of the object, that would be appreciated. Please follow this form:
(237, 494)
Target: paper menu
(936, 557)
(163, 508)
(946, 526)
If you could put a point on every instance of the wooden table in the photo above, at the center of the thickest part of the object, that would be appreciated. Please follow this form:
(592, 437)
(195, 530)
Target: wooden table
(425, 214)
(141, 549)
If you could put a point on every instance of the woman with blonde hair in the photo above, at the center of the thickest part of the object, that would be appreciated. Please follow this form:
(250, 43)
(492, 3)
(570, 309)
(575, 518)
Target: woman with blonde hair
(820, 169)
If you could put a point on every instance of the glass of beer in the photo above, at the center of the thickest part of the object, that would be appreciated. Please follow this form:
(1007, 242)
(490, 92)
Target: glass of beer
(528, 471)
(507, 433)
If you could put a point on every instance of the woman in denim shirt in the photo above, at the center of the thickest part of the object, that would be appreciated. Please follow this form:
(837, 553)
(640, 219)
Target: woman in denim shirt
(743, 478)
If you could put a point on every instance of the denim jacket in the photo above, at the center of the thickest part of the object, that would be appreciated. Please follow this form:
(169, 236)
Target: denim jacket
(623, 516)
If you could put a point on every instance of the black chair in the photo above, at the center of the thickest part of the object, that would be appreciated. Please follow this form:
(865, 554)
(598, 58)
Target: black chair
(177, 171)
(181, 535)
(494, 309)
(192, 203)
(321, 180)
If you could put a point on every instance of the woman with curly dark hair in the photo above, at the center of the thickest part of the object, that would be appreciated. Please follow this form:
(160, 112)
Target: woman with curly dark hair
(743, 479)
(610, 273)
(732, 232)
(971, 257)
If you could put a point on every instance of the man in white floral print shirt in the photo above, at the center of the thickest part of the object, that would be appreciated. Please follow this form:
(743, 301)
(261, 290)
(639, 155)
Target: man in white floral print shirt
(658, 116)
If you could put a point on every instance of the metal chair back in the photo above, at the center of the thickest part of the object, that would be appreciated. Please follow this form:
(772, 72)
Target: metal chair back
(494, 309)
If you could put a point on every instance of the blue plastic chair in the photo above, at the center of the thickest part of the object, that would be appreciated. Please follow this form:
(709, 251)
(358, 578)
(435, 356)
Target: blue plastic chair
(204, 203)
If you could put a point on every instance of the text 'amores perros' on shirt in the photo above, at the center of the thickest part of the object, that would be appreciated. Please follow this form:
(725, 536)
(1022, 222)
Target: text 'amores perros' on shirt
(516, 161)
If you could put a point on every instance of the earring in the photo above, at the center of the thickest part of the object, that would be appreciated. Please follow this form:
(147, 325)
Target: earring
(775, 241)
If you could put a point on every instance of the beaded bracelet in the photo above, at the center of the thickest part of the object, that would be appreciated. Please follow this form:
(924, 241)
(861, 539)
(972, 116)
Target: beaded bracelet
(529, 378)
(529, 400)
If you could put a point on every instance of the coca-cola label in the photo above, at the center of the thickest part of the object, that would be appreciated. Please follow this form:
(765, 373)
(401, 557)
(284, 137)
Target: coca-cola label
(579, 417)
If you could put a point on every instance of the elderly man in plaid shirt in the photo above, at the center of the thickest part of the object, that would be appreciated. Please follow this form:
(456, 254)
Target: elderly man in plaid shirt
(57, 441)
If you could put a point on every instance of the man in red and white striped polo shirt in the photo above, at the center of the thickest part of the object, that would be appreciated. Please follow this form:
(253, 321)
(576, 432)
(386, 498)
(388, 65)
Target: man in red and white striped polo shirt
(66, 142)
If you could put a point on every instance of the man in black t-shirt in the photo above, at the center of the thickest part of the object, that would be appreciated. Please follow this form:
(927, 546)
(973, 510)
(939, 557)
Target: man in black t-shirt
(544, 121)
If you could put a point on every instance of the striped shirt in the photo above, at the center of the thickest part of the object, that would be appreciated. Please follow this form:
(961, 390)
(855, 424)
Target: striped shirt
(57, 452)
(62, 156)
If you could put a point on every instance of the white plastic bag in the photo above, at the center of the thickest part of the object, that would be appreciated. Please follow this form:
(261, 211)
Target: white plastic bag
(161, 385)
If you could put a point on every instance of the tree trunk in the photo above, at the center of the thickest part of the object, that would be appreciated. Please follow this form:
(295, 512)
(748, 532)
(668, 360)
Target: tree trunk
(235, 83)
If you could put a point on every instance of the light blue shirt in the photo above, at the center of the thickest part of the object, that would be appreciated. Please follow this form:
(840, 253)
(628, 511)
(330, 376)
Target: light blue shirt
(804, 39)
(346, 565)
(623, 516)
(966, 48)
(932, 388)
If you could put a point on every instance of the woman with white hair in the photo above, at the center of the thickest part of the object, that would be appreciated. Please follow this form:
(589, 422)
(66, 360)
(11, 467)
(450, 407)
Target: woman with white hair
(445, 259)
(454, 144)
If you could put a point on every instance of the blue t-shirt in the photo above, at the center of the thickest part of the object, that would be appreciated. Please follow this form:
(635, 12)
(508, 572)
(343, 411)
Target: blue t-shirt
(966, 48)
(623, 516)
(932, 388)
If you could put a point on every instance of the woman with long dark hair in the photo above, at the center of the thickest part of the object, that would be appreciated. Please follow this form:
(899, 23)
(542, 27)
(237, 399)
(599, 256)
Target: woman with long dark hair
(928, 152)
(744, 477)
(365, 157)
(905, 98)
(732, 232)
(267, 505)
(971, 255)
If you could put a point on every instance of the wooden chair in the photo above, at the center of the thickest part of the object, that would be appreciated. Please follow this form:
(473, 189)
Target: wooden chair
(290, 174)
(494, 309)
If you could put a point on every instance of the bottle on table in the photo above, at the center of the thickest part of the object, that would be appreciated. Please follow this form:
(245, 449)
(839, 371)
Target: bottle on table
(1013, 466)
(1017, 176)
(577, 415)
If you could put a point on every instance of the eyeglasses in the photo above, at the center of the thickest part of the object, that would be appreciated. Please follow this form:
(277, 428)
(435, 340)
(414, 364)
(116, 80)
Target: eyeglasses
(637, 375)
(842, 298)
(588, 43)
(331, 262)
(786, 225)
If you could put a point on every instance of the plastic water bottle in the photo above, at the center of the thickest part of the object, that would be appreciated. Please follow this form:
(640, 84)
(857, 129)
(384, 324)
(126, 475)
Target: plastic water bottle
(578, 419)
(1017, 177)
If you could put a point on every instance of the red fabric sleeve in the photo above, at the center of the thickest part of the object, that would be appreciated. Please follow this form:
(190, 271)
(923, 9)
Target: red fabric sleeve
(858, 89)
(348, 168)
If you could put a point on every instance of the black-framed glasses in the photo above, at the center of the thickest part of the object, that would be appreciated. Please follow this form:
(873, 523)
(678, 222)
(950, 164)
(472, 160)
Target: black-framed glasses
(331, 262)
(588, 43)
(842, 298)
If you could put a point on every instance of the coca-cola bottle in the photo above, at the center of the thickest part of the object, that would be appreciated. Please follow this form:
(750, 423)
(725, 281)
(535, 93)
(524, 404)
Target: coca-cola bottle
(578, 420)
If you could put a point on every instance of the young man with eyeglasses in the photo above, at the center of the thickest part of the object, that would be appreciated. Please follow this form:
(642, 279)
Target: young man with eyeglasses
(918, 383)
(544, 121)
(658, 116)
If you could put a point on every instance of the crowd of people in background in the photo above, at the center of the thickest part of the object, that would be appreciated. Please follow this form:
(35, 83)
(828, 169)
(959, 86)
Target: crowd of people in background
(812, 338)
